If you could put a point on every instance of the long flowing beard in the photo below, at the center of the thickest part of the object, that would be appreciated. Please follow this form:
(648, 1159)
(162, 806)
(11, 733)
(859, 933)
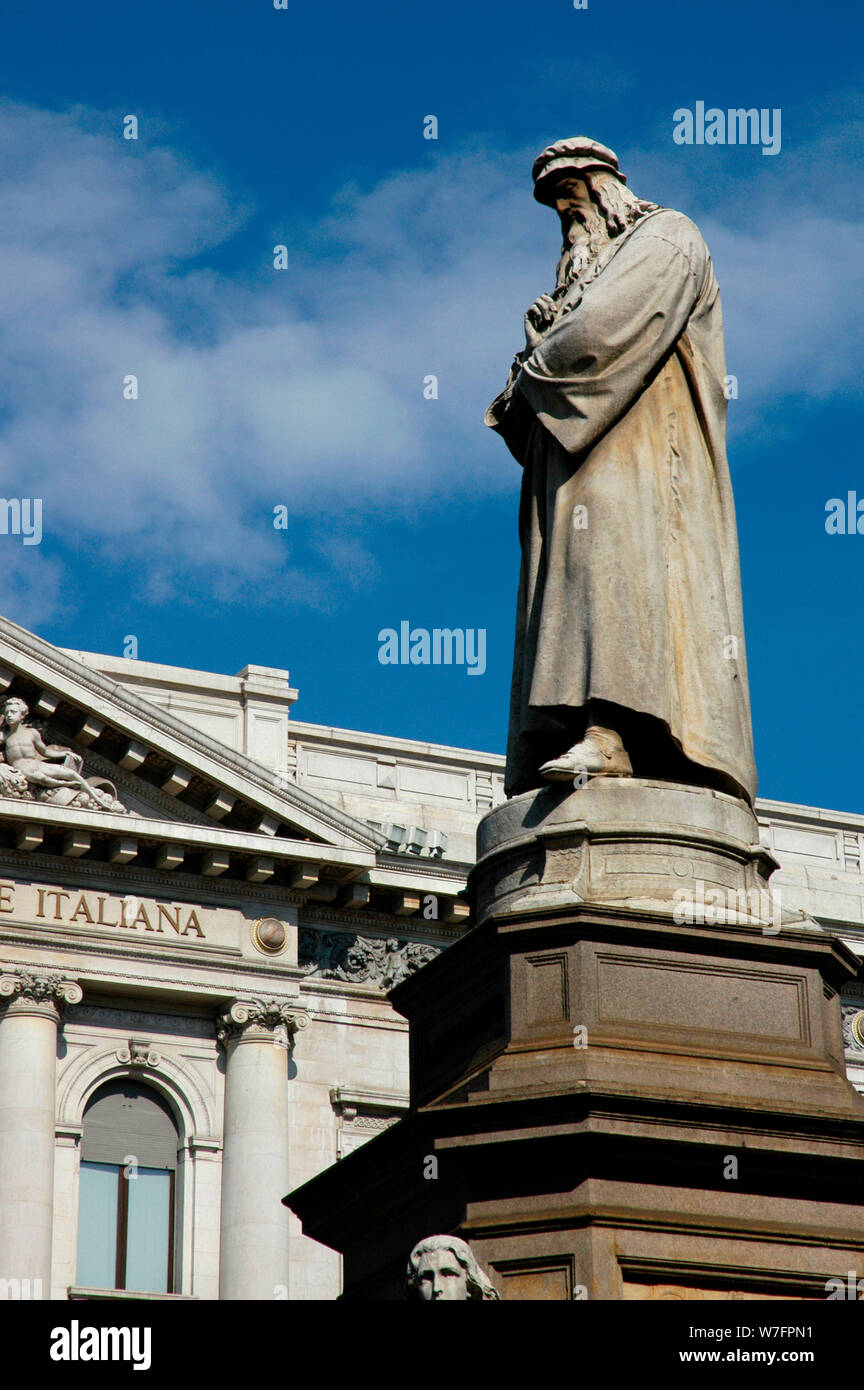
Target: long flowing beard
(578, 255)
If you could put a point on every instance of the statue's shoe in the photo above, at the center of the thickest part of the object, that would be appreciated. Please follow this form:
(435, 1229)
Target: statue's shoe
(600, 754)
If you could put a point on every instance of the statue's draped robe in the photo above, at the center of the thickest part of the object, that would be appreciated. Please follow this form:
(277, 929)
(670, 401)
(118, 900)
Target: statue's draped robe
(637, 600)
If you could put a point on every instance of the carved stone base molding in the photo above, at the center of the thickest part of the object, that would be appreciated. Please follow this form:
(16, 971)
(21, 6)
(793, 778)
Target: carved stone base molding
(657, 846)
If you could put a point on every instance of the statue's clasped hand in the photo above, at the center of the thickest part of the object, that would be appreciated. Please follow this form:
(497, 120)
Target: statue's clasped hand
(538, 320)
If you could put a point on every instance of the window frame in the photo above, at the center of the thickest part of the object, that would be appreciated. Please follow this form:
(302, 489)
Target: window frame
(122, 1248)
(124, 1168)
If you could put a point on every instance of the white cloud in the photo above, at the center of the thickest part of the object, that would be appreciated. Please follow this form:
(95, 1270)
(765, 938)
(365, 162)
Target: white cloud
(31, 586)
(792, 291)
(305, 386)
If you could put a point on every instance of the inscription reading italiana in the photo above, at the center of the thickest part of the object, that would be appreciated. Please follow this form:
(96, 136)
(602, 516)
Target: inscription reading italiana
(98, 910)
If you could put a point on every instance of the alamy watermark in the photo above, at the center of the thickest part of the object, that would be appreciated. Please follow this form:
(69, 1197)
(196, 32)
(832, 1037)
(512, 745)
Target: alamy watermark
(738, 126)
(442, 646)
(709, 905)
(15, 1289)
(845, 515)
(77, 1343)
(22, 516)
(851, 1288)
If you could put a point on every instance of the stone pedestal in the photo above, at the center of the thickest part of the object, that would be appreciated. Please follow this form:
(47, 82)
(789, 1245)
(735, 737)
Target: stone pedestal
(257, 1036)
(617, 842)
(29, 1016)
(629, 1075)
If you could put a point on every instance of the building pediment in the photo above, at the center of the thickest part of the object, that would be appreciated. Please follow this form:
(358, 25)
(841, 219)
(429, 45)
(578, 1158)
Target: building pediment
(136, 782)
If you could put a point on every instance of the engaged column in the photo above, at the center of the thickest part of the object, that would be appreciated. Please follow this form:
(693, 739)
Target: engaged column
(257, 1036)
(30, 1010)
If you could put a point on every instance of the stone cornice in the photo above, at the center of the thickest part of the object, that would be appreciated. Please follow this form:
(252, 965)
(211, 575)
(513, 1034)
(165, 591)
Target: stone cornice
(195, 960)
(404, 869)
(51, 868)
(376, 1012)
(385, 744)
(806, 817)
(196, 836)
(354, 1098)
(185, 978)
(432, 932)
(101, 1012)
(194, 888)
(141, 719)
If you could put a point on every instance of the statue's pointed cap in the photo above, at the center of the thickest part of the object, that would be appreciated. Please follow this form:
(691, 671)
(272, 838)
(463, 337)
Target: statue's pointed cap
(569, 158)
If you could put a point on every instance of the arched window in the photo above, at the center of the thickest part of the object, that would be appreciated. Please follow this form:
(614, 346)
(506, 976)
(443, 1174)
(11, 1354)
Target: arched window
(126, 1203)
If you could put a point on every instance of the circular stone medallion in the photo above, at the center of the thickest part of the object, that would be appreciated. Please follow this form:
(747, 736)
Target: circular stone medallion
(270, 935)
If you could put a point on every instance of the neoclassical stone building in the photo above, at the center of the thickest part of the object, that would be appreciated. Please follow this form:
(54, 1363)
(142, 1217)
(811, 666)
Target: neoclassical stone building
(200, 915)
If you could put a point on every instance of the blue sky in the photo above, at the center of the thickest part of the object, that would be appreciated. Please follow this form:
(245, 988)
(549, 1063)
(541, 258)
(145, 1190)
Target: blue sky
(303, 387)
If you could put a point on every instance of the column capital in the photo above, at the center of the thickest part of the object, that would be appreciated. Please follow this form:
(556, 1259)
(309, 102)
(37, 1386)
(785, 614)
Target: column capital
(261, 1020)
(44, 992)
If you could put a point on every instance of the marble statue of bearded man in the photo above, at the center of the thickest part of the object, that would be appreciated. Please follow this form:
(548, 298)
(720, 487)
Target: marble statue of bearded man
(629, 653)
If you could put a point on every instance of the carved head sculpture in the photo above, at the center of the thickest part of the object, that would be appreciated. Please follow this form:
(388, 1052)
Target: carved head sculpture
(445, 1267)
(15, 711)
(574, 157)
(580, 178)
